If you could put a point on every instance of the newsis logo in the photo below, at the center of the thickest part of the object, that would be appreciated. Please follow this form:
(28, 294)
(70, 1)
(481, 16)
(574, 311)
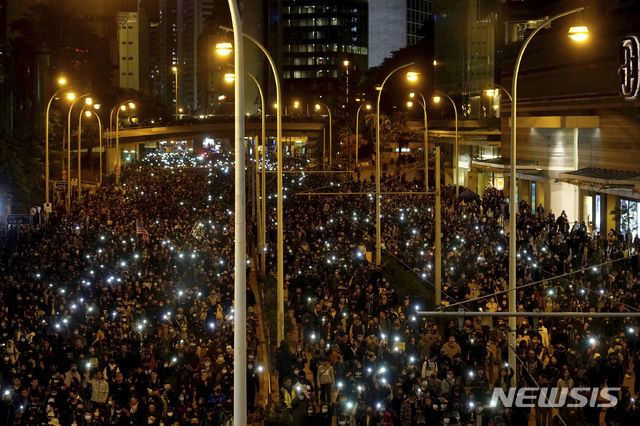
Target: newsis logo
(549, 398)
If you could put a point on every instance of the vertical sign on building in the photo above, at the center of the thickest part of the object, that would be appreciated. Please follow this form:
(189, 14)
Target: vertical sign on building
(628, 74)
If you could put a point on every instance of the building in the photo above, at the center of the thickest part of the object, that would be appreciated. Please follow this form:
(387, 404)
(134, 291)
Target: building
(191, 20)
(577, 123)
(394, 24)
(167, 50)
(133, 48)
(465, 66)
(314, 39)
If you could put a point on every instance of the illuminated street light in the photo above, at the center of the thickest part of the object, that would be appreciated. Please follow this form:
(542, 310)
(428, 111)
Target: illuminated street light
(70, 96)
(229, 77)
(579, 33)
(224, 48)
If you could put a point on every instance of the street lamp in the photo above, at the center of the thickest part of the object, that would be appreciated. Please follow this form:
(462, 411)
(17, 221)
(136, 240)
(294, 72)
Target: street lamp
(411, 76)
(88, 102)
(175, 71)
(346, 64)
(76, 99)
(240, 244)
(578, 34)
(88, 114)
(330, 133)
(426, 139)
(493, 92)
(368, 106)
(455, 155)
(237, 36)
(122, 107)
(262, 214)
(46, 131)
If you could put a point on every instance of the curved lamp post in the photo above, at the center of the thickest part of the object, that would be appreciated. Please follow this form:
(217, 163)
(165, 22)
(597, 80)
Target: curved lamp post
(225, 47)
(426, 140)
(368, 106)
(455, 154)
(411, 76)
(577, 33)
(69, 151)
(46, 137)
(330, 131)
(88, 114)
(121, 107)
(240, 244)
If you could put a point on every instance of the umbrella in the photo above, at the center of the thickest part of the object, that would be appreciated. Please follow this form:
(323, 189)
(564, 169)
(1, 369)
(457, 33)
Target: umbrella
(468, 194)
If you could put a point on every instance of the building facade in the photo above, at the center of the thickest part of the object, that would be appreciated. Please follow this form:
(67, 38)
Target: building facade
(578, 121)
(394, 24)
(316, 40)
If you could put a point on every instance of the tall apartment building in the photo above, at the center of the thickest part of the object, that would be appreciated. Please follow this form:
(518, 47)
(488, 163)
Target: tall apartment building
(394, 24)
(313, 41)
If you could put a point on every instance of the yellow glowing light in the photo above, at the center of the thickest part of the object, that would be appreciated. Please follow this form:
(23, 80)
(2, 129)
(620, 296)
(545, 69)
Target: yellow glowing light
(275, 105)
(411, 95)
(346, 63)
(71, 96)
(224, 48)
(436, 99)
(368, 106)
(229, 77)
(409, 104)
(435, 62)
(96, 106)
(132, 105)
(87, 113)
(490, 92)
(122, 107)
(62, 81)
(174, 69)
(88, 101)
(317, 106)
(180, 110)
(579, 33)
(412, 76)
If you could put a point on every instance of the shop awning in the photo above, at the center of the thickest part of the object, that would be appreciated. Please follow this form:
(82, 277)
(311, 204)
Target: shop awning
(602, 178)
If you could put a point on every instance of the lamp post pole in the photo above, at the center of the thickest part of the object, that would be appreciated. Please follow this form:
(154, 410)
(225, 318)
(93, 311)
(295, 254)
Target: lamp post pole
(280, 195)
(118, 169)
(240, 294)
(69, 151)
(455, 154)
(378, 161)
(512, 188)
(80, 155)
(100, 138)
(175, 70)
(357, 123)
(330, 133)
(262, 234)
(438, 242)
(426, 144)
(46, 137)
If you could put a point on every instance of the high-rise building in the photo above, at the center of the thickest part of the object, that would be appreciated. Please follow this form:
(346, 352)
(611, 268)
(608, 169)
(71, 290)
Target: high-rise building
(314, 39)
(167, 50)
(192, 17)
(465, 51)
(394, 24)
(133, 48)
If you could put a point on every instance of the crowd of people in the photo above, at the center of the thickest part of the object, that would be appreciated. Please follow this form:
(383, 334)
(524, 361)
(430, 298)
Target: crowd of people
(103, 322)
(121, 312)
(366, 357)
